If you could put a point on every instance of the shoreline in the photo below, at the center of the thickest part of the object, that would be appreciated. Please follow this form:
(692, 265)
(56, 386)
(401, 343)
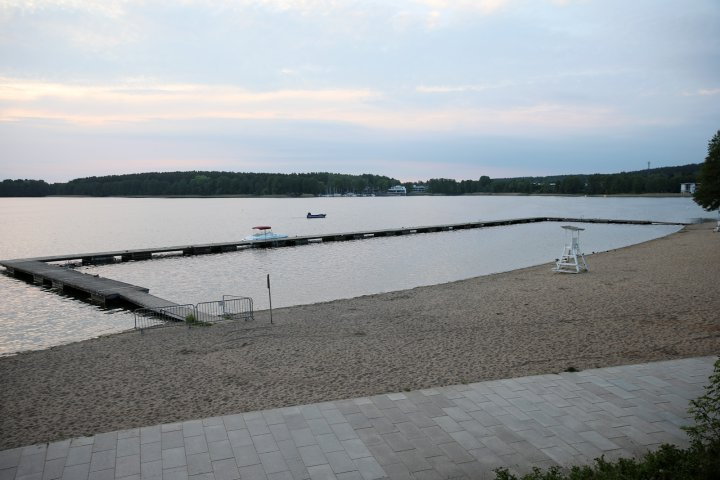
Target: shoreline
(649, 301)
(309, 195)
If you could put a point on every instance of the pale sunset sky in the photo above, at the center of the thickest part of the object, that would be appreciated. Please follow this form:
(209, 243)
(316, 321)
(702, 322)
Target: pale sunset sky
(413, 89)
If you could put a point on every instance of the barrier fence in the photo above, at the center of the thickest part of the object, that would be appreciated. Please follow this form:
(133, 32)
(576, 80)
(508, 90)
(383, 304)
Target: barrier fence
(230, 308)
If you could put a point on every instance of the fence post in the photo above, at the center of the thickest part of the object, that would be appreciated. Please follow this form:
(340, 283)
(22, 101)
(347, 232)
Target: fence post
(269, 297)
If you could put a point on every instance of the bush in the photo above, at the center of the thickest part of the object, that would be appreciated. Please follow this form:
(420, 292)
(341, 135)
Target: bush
(701, 461)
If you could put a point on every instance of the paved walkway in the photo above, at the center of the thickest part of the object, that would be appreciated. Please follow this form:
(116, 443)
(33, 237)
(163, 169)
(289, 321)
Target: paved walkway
(463, 431)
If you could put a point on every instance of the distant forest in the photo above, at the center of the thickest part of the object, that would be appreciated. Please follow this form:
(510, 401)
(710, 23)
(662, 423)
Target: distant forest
(657, 180)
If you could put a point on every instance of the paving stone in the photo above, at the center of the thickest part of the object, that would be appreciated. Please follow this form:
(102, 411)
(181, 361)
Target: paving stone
(151, 470)
(397, 442)
(53, 469)
(413, 460)
(369, 468)
(297, 468)
(105, 441)
(54, 450)
(172, 439)
(280, 432)
(76, 456)
(239, 438)
(358, 420)
(303, 437)
(319, 426)
(129, 465)
(31, 464)
(194, 445)
(106, 475)
(310, 412)
(312, 455)
(340, 462)
(213, 421)
(9, 472)
(383, 425)
(273, 462)
(215, 433)
(173, 457)
(177, 473)
(437, 435)
(409, 430)
(599, 441)
(225, 470)
(425, 447)
(103, 460)
(273, 417)
(233, 422)
(295, 421)
(329, 443)
(369, 436)
(245, 456)
(446, 467)
(333, 416)
(76, 472)
(149, 434)
(288, 449)
(171, 427)
(398, 471)
(192, 428)
(199, 463)
(128, 446)
(355, 448)
(321, 472)
(344, 431)
(150, 452)
(286, 475)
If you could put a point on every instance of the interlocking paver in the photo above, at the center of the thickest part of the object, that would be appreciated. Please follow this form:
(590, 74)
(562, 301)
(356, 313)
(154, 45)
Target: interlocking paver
(130, 465)
(220, 450)
(461, 431)
(312, 455)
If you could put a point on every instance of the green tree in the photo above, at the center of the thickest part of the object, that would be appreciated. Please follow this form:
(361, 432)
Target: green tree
(708, 193)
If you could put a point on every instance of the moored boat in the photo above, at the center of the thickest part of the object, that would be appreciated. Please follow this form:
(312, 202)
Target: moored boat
(264, 232)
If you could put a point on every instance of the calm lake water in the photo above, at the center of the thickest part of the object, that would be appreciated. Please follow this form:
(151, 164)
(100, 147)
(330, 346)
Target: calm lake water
(34, 318)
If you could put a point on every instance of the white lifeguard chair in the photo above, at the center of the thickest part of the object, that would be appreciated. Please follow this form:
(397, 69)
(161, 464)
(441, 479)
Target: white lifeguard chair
(572, 259)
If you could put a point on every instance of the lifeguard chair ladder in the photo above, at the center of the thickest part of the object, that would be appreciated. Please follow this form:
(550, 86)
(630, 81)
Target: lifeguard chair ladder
(572, 259)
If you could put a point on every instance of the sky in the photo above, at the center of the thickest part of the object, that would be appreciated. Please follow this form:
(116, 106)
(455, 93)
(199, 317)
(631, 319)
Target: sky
(412, 89)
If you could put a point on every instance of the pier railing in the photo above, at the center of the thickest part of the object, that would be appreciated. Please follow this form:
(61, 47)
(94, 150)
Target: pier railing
(156, 317)
(230, 308)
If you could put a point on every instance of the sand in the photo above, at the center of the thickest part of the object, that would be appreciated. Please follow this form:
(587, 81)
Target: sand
(654, 301)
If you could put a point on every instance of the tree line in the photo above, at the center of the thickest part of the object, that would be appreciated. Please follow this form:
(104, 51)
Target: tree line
(658, 180)
(203, 183)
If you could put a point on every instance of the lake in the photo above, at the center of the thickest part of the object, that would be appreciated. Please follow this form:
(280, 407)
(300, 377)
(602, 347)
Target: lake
(35, 317)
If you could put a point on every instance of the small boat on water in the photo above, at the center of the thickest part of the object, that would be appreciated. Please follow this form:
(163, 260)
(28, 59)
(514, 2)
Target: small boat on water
(316, 215)
(264, 232)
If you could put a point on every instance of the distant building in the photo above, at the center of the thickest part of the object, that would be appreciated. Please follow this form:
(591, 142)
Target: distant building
(397, 190)
(420, 188)
(688, 188)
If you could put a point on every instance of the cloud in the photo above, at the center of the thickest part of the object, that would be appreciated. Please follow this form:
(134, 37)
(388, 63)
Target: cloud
(703, 92)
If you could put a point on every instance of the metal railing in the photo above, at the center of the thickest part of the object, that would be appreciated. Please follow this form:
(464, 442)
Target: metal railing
(163, 316)
(230, 308)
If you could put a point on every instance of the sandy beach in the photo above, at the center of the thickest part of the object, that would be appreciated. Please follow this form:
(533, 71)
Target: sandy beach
(653, 301)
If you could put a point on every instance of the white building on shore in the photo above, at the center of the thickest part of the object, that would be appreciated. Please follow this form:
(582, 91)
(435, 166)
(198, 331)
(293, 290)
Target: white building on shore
(688, 188)
(397, 190)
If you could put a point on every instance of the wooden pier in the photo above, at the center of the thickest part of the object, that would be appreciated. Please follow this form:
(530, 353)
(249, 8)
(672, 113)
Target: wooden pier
(43, 271)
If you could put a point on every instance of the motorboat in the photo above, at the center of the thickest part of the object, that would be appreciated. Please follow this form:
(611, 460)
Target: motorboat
(264, 232)
(316, 215)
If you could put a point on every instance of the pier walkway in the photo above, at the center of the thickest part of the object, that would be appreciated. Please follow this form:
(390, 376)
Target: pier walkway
(460, 431)
(100, 290)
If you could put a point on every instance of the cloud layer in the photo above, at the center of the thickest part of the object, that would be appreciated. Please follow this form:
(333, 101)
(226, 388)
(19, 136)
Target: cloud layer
(304, 85)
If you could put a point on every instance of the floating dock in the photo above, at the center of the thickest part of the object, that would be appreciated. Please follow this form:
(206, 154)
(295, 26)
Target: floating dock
(100, 290)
